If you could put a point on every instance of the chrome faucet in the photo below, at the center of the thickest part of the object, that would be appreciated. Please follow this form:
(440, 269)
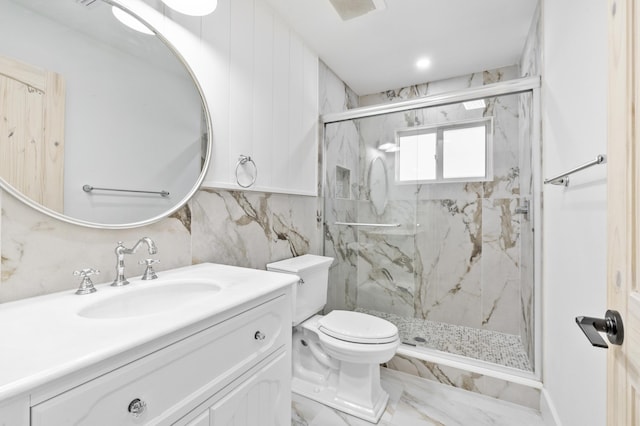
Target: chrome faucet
(121, 250)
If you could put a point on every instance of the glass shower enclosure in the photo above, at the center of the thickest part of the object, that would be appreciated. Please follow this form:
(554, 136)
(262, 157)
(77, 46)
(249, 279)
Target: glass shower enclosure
(428, 212)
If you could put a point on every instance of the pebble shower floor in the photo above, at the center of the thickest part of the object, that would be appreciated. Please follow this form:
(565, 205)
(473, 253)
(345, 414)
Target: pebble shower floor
(485, 345)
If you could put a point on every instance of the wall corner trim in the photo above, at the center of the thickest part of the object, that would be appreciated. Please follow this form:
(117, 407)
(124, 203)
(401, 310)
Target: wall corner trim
(548, 409)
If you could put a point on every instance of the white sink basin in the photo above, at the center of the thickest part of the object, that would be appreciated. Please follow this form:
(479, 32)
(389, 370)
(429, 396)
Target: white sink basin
(153, 298)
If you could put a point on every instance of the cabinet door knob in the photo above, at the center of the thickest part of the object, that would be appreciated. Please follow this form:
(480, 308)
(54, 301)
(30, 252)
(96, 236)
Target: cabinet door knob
(137, 407)
(259, 335)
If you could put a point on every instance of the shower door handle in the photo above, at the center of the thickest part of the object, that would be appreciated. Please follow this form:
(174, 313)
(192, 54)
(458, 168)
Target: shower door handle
(610, 324)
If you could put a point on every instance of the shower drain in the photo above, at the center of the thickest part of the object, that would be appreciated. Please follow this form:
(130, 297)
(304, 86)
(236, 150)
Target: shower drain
(420, 339)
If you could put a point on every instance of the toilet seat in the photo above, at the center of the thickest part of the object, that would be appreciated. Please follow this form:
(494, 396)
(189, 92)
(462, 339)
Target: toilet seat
(357, 327)
(358, 353)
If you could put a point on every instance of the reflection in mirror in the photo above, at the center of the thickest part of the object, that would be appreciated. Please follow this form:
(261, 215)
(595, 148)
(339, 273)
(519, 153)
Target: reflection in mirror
(378, 184)
(88, 101)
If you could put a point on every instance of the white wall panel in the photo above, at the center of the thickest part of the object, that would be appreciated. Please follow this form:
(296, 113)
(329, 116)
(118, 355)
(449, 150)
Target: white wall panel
(267, 104)
(281, 57)
(241, 47)
(296, 102)
(574, 96)
(263, 93)
(308, 158)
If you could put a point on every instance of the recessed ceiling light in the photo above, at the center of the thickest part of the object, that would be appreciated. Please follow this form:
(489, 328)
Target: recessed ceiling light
(130, 21)
(477, 104)
(423, 63)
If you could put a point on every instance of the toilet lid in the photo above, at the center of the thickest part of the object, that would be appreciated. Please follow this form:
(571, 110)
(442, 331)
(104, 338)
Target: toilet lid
(357, 327)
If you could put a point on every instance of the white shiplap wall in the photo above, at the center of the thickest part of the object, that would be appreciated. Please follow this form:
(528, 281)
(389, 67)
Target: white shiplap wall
(263, 98)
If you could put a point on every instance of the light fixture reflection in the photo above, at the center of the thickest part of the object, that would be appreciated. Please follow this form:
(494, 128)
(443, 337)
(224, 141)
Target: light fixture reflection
(130, 21)
(389, 147)
(423, 64)
(192, 7)
(477, 104)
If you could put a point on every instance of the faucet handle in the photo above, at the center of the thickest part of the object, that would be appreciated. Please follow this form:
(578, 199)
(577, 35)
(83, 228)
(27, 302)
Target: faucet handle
(86, 286)
(149, 273)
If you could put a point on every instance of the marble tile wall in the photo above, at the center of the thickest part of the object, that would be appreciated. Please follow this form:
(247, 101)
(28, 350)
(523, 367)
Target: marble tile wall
(473, 382)
(255, 229)
(340, 155)
(39, 254)
(456, 256)
(529, 66)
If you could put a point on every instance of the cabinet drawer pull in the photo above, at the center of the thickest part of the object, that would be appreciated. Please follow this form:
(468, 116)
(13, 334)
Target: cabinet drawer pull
(137, 407)
(259, 335)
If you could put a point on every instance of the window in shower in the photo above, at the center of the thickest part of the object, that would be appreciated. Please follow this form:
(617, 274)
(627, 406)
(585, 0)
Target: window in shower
(453, 152)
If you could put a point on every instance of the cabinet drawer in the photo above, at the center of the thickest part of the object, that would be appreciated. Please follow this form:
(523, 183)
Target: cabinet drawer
(175, 379)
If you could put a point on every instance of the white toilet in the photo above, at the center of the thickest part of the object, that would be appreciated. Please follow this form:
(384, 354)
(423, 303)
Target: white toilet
(336, 357)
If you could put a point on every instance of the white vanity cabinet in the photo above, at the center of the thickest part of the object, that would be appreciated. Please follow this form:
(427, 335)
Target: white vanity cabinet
(234, 371)
(259, 399)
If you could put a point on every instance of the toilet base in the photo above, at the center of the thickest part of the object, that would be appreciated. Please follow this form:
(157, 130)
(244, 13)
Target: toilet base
(328, 395)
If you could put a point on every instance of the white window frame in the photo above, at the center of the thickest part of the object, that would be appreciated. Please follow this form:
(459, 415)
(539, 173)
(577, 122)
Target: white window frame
(439, 130)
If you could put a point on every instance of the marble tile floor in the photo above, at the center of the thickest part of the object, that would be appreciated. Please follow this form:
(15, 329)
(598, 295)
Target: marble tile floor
(485, 345)
(418, 402)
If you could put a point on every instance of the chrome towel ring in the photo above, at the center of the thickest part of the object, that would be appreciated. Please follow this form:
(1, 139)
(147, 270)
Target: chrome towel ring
(242, 160)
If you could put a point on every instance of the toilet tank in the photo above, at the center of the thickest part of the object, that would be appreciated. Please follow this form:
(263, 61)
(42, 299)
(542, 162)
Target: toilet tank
(310, 295)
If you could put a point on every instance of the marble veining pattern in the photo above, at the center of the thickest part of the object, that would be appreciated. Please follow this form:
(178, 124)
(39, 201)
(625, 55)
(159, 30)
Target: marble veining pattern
(416, 402)
(254, 229)
(464, 379)
(39, 254)
(458, 254)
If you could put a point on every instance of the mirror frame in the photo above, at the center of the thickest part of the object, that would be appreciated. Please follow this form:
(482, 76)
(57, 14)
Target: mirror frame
(4, 185)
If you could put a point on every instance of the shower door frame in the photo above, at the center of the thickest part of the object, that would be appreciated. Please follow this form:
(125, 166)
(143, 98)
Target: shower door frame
(509, 87)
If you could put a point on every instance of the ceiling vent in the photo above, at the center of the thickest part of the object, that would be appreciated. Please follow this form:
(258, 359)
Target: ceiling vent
(349, 9)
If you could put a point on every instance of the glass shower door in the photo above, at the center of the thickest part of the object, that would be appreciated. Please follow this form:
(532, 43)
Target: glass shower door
(425, 213)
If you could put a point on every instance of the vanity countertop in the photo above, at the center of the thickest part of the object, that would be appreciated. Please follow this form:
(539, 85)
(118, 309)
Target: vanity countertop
(44, 338)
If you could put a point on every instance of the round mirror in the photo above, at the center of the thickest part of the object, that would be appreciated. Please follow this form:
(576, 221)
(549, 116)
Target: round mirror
(378, 185)
(100, 125)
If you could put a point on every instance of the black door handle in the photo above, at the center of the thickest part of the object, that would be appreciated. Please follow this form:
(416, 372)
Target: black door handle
(610, 324)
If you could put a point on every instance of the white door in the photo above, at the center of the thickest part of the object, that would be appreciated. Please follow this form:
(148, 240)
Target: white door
(623, 227)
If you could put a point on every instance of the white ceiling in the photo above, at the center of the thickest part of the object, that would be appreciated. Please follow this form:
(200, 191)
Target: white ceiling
(378, 51)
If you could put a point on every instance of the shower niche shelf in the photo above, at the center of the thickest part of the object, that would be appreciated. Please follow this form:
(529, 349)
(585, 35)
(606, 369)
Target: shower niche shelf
(343, 183)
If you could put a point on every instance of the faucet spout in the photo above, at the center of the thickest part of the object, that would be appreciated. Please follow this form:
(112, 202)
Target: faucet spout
(151, 246)
(121, 250)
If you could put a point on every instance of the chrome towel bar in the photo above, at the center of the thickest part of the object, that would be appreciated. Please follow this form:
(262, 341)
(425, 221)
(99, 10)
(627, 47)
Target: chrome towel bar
(380, 225)
(89, 188)
(563, 179)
